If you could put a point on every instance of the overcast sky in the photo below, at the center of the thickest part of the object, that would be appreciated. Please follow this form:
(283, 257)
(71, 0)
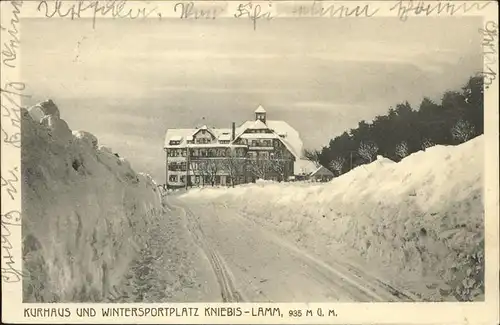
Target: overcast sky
(128, 81)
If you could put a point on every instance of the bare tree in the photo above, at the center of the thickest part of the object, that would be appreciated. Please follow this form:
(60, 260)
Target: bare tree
(233, 164)
(213, 167)
(209, 169)
(402, 149)
(259, 167)
(463, 131)
(200, 169)
(312, 155)
(278, 164)
(368, 150)
(337, 164)
(426, 143)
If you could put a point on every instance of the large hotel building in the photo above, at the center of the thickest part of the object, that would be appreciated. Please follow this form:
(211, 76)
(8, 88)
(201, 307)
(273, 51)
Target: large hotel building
(257, 149)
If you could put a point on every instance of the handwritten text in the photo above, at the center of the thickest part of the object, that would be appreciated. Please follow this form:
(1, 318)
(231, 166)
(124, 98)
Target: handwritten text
(490, 51)
(9, 48)
(10, 181)
(422, 8)
(11, 110)
(189, 10)
(10, 272)
(252, 12)
(316, 9)
(112, 8)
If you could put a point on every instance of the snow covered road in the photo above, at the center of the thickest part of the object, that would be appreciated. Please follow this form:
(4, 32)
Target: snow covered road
(254, 264)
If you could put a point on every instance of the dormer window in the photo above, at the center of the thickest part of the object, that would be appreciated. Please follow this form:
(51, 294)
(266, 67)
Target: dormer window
(175, 140)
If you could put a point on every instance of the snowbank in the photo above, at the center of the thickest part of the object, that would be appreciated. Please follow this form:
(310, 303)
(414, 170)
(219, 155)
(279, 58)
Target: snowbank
(422, 218)
(85, 211)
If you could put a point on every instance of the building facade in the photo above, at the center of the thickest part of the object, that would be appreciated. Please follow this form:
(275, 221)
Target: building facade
(257, 149)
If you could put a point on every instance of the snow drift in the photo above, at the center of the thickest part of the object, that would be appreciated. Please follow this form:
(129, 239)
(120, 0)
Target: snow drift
(421, 220)
(85, 211)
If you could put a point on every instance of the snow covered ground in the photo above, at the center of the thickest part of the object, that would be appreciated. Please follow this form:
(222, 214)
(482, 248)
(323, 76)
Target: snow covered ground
(418, 223)
(86, 213)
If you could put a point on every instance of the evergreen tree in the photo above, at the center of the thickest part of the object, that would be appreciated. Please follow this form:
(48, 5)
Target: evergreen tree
(403, 130)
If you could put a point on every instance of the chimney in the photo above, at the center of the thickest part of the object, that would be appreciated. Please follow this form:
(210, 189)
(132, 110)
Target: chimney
(233, 131)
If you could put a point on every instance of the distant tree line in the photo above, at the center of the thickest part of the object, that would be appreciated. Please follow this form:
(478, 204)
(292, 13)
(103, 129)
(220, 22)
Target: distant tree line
(404, 130)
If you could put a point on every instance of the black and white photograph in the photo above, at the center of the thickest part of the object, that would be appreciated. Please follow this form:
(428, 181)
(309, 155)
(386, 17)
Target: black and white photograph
(215, 155)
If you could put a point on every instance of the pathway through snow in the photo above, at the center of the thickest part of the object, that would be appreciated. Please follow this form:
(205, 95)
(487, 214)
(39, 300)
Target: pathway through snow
(253, 264)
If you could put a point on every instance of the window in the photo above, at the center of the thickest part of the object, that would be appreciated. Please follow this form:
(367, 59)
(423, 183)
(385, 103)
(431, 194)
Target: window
(172, 178)
(183, 179)
(174, 152)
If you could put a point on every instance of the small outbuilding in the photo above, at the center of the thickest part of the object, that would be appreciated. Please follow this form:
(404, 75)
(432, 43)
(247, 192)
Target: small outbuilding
(321, 174)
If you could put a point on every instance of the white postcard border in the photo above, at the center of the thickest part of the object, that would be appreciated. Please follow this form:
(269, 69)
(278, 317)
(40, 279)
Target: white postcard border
(351, 313)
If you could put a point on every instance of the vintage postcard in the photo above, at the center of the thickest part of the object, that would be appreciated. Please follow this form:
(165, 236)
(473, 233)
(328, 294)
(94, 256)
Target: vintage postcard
(243, 162)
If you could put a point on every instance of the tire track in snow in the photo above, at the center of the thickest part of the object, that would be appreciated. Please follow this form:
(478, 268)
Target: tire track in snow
(358, 283)
(229, 293)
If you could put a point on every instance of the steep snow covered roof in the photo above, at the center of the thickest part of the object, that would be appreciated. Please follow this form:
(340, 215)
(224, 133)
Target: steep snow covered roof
(225, 136)
(173, 134)
(260, 109)
(304, 167)
(291, 139)
(187, 135)
(322, 170)
(286, 133)
(176, 138)
(259, 136)
(257, 125)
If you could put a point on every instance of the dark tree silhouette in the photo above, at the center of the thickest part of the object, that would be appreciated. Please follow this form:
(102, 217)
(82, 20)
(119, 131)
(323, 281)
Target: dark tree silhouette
(458, 117)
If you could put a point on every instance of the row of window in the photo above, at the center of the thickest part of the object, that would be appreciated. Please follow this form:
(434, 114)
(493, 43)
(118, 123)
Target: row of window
(182, 166)
(203, 140)
(211, 152)
(262, 143)
(258, 131)
(202, 165)
(177, 178)
(201, 180)
(252, 143)
(177, 166)
(206, 152)
(176, 152)
(260, 154)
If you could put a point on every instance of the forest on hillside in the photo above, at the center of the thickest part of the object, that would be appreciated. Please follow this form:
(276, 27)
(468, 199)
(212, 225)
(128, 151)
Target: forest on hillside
(404, 130)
